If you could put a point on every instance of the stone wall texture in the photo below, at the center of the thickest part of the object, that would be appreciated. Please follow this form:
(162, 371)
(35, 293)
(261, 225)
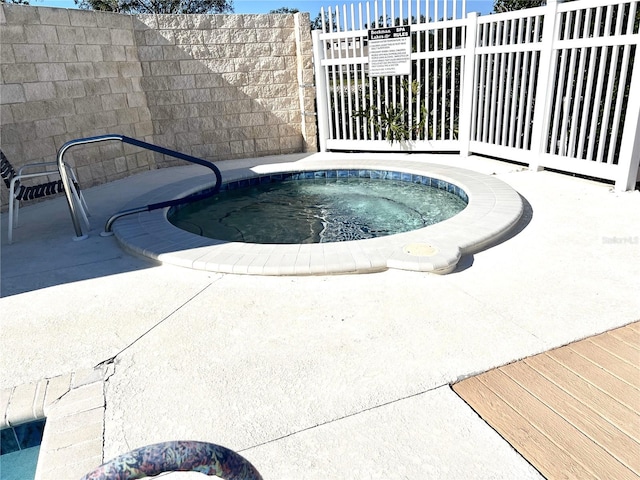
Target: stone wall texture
(213, 86)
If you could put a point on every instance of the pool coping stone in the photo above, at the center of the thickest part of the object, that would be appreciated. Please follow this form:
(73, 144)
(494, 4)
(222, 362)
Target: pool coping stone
(494, 208)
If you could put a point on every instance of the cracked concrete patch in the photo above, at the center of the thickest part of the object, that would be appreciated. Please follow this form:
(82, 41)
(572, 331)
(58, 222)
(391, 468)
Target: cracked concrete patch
(88, 321)
(422, 434)
(333, 355)
(74, 407)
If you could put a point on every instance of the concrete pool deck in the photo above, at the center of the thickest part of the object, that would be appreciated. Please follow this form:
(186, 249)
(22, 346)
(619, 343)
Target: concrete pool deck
(307, 377)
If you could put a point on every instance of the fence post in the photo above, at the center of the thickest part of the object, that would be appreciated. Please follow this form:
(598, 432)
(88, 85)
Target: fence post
(545, 72)
(629, 159)
(306, 87)
(468, 85)
(322, 106)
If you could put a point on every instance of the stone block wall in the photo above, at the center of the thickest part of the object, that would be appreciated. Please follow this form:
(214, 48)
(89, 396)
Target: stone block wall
(225, 86)
(213, 86)
(67, 74)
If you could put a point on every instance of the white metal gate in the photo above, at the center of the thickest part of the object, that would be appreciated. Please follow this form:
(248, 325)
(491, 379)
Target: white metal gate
(362, 111)
(548, 86)
(552, 87)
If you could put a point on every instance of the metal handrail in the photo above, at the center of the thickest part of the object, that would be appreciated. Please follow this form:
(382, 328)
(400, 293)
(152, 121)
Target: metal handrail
(73, 208)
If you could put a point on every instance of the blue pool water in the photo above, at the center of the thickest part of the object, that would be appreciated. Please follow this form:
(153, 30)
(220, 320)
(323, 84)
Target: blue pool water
(312, 208)
(19, 449)
(20, 465)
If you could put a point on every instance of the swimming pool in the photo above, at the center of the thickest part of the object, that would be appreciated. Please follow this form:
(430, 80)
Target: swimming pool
(321, 206)
(493, 209)
(20, 447)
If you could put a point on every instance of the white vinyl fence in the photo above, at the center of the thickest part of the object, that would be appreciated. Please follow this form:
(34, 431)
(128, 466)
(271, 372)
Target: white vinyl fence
(547, 86)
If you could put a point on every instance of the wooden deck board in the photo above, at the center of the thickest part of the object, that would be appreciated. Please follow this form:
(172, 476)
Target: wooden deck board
(579, 414)
(523, 436)
(616, 413)
(630, 336)
(573, 412)
(602, 379)
(635, 327)
(624, 371)
(615, 346)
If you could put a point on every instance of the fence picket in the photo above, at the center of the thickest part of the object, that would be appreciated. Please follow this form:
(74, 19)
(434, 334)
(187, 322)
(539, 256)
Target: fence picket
(443, 88)
(535, 59)
(517, 93)
(610, 80)
(623, 76)
(559, 109)
(599, 85)
(586, 18)
(501, 86)
(494, 34)
(591, 73)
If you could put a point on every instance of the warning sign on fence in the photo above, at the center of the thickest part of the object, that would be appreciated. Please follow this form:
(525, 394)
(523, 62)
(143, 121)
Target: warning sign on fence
(390, 51)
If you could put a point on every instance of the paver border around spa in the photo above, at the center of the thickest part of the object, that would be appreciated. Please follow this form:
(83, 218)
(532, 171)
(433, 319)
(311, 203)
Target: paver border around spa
(494, 208)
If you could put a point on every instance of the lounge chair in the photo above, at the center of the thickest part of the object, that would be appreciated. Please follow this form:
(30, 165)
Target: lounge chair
(19, 192)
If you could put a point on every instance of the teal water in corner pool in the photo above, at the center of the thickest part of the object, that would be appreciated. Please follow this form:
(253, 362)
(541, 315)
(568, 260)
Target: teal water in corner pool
(19, 449)
(20, 465)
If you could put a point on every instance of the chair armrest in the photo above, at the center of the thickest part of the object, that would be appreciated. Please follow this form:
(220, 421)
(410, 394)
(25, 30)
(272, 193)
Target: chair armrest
(33, 175)
(37, 165)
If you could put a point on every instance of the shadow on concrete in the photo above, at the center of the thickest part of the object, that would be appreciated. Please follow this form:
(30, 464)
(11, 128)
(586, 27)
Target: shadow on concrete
(44, 253)
(527, 215)
(41, 258)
